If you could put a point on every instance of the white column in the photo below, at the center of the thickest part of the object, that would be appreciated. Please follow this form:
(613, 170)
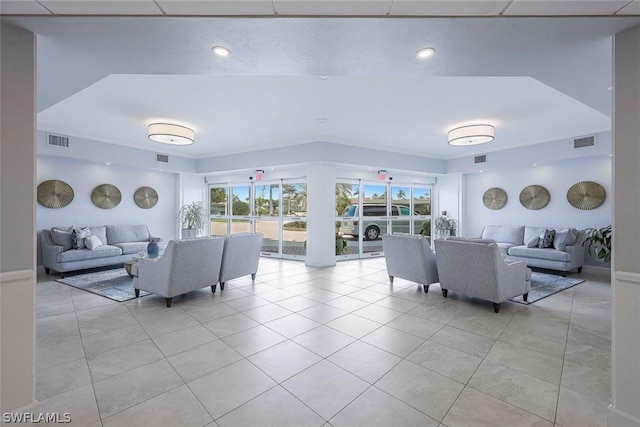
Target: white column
(625, 357)
(17, 220)
(321, 228)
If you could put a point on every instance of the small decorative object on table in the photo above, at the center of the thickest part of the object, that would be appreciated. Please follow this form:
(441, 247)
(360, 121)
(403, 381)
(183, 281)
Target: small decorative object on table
(153, 249)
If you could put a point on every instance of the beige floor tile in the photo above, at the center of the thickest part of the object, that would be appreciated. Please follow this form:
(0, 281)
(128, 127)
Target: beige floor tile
(199, 361)
(322, 295)
(377, 313)
(61, 378)
(451, 363)
(323, 340)
(365, 361)
(376, 408)
(52, 332)
(325, 388)
(589, 337)
(524, 391)
(579, 410)
(397, 304)
(177, 407)
(127, 389)
(483, 323)
(292, 325)
(226, 389)
(587, 355)
(556, 326)
(599, 325)
(102, 311)
(247, 303)
(184, 339)
(253, 340)
(80, 403)
(539, 365)
(174, 321)
(516, 335)
(84, 300)
(347, 303)
(284, 360)
(353, 325)
(477, 409)
(394, 341)
(212, 312)
(54, 309)
(109, 363)
(592, 382)
(106, 324)
(99, 343)
(267, 313)
(367, 296)
(275, 407)
(463, 341)
(322, 313)
(415, 326)
(230, 325)
(425, 390)
(57, 354)
(439, 312)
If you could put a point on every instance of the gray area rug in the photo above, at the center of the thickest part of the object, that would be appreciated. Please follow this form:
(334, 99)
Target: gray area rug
(543, 285)
(113, 284)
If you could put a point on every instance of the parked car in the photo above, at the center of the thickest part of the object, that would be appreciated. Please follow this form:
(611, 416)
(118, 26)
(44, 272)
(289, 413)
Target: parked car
(374, 228)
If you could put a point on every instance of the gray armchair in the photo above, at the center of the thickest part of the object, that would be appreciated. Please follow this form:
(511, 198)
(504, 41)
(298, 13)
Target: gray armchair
(410, 258)
(240, 257)
(185, 266)
(477, 269)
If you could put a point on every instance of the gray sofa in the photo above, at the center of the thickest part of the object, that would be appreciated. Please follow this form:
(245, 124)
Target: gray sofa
(410, 258)
(240, 257)
(477, 268)
(512, 241)
(120, 243)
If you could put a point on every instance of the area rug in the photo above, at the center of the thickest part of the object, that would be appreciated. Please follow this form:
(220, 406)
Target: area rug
(543, 285)
(113, 284)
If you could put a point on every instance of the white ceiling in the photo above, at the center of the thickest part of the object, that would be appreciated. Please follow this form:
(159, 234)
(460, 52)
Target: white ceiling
(536, 79)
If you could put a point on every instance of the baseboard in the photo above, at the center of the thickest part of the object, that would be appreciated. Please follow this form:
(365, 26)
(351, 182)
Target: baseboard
(596, 271)
(618, 418)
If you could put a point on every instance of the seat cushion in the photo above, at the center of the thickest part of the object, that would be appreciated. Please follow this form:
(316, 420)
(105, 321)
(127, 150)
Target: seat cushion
(513, 234)
(538, 253)
(84, 254)
(135, 247)
(531, 232)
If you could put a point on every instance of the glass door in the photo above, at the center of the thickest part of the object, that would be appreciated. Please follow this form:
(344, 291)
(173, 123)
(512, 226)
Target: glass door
(374, 217)
(421, 211)
(294, 219)
(267, 216)
(218, 211)
(241, 218)
(347, 219)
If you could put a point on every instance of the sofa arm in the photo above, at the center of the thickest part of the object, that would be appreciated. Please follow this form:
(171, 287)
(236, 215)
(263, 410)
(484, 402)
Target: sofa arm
(50, 250)
(153, 276)
(577, 255)
(513, 280)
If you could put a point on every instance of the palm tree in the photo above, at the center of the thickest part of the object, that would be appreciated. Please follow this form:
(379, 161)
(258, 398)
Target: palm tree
(401, 194)
(343, 196)
(288, 189)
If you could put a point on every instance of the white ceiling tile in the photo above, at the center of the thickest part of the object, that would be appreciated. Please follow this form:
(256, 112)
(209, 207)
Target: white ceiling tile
(332, 7)
(216, 7)
(22, 7)
(102, 7)
(631, 9)
(563, 7)
(448, 7)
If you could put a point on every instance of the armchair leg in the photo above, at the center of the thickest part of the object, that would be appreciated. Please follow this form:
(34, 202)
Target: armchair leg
(445, 292)
(253, 276)
(222, 286)
(425, 288)
(525, 297)
(391, 279)
(137, 291)
(168, 301)
(47, 270)
(213, 289)
(496, 307)
(579, 270)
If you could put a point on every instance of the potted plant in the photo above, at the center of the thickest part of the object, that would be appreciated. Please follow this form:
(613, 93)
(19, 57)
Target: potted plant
(192, 217)
(445, 226)
(599, 241)
(341, 245)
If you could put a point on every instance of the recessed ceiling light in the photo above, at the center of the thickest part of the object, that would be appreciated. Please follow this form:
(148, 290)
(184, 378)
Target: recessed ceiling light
(323, 120)
(425, 53)
(323, 77)
(108, 164)
(535, 164)
(221, 51)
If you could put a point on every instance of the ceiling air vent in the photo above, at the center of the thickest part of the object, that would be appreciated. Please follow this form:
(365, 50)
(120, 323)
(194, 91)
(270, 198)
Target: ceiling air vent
(162, 158)
(60, 141)
(587, 141)
(480, 159)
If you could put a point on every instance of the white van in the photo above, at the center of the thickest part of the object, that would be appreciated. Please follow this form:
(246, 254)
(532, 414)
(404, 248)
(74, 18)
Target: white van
(374, 228)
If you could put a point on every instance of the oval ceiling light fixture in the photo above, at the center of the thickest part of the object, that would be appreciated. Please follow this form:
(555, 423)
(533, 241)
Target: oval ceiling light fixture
(221, 51)
(425, 53)
(471, 135)
(167, 133)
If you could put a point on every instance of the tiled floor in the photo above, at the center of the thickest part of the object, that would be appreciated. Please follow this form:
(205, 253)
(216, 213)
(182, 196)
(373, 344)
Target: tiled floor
(324, 347)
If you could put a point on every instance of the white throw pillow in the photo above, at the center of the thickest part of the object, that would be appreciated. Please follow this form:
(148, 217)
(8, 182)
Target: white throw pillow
(92, 242)
(563, 238)
(533, 242)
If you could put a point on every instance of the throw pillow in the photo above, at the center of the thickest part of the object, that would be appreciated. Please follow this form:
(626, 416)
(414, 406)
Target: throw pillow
(562, 239)
(92, 242)
(61, 238)
(533, 242)
(546, 239)
(77, 237)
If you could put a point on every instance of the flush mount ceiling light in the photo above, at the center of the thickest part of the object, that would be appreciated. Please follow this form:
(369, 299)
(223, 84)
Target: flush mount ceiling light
(221, 51)
(425, 53)
(171, 134)
(471, 135)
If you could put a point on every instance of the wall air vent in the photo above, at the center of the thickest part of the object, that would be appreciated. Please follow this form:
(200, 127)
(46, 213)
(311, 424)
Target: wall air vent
(162, 158)
(60, 141)
(480, 159)
(587, 141)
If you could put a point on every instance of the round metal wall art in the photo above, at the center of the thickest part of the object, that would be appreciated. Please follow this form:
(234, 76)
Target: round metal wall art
(534, 197)
(106, 196)
(54, 194)
(586, 195)
(494, 198)
(145, 197)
